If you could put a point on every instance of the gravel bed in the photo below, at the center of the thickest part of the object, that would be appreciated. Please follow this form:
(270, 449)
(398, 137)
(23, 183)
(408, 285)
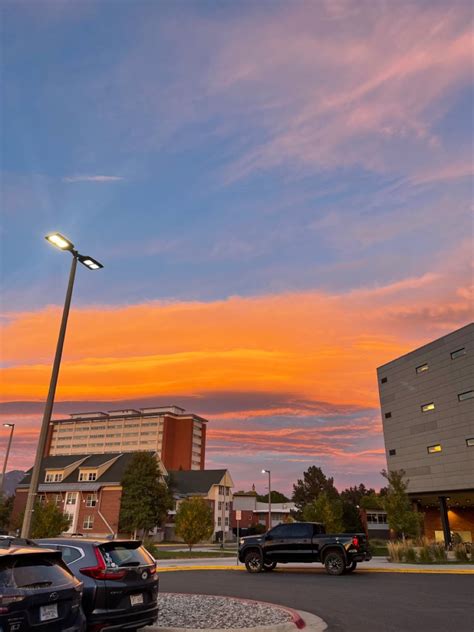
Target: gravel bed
(207, 611)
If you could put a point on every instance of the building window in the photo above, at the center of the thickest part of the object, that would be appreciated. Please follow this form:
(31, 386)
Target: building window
(71, 498)
(57, 499)
(422, 368)
(219, 504)
(219, 521)
(465, 395)
(87, 476)
(458, 353)
(41, 498)
(433, 449)
(384, 380)
(388, 415)
(470, 442)
(392, 452)
(91, 500)
(88, 522)
(53, 477)
(427, 407)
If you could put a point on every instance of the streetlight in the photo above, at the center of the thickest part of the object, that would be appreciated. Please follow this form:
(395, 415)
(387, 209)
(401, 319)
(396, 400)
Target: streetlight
(269, 497)
(63, 243)
(12, 428)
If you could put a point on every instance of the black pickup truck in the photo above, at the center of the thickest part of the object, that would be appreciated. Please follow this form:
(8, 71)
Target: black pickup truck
(303, 542)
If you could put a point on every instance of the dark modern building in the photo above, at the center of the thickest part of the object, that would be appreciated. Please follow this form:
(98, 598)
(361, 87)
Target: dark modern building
(427, 404)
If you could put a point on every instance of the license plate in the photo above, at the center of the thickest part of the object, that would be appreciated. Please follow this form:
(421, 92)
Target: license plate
(49, 612)
(136, 600)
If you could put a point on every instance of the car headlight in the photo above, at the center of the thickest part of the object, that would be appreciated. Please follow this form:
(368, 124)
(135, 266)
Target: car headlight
(241, 541)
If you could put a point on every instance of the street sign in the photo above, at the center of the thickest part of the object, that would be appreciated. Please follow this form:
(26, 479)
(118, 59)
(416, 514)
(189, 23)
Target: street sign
(238, 515)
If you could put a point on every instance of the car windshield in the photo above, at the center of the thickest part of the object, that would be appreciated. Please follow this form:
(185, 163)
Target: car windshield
(33, 572)
(116, 555)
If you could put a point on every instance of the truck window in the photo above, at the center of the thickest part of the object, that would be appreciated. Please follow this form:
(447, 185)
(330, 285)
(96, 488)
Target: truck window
(319, 529)
(300, 530)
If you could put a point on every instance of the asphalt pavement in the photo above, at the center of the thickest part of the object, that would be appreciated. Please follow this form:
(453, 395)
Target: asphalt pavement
(360, 602)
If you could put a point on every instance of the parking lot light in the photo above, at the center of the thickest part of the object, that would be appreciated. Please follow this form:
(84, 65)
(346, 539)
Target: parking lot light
(60, 241)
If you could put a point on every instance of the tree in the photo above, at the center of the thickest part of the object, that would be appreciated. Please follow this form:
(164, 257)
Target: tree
(6, 506)
(327, 510)
(48, 520)
(372, 501)
(146, 499)
(351, 518)
(308, 489)
(401, 517)
(194, 521)
(355, 494)
(276, 497)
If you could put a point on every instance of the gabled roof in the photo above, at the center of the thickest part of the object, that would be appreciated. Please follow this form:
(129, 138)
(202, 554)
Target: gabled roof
(113, 474)
(188, 482)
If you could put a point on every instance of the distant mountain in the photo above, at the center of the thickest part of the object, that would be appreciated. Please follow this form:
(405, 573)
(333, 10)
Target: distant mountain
(11, 481)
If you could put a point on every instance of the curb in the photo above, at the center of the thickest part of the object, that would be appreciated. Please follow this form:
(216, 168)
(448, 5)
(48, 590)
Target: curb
(429, 571)
(299, 620)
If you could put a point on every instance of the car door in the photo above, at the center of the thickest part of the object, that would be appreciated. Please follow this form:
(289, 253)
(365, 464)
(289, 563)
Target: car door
(275, 545)
(300, 538)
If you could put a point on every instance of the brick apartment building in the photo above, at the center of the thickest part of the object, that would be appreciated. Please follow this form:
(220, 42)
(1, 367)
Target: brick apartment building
(89, 489)
(86, 487)
(427, 404)
(178, 437)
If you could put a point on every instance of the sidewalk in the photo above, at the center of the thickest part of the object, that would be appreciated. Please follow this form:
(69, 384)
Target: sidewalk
(376, 564)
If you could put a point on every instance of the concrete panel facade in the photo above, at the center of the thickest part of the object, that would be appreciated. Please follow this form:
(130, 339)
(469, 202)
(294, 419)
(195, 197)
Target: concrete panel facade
(447, 373)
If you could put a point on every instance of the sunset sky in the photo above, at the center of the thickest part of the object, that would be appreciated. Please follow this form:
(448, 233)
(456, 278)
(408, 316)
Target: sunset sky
(281, 195)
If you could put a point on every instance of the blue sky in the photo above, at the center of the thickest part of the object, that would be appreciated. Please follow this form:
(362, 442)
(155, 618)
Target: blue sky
(207, 150)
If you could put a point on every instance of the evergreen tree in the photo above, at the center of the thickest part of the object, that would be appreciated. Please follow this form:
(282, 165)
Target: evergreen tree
(308, 489)
(194, 521)
(276, 497)
(355, 494)
(400, 515)
(6, 506)
(146, 500)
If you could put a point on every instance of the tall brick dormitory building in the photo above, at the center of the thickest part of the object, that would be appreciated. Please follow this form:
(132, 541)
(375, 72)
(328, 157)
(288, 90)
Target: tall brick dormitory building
(87, 454)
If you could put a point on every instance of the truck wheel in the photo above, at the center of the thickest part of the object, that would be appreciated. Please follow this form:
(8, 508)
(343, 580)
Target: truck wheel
(269, 566)
(254, 562)
(351, 567)
(334, 563)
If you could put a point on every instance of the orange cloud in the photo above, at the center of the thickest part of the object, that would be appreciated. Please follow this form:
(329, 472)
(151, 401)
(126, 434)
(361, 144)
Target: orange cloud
(316, 345)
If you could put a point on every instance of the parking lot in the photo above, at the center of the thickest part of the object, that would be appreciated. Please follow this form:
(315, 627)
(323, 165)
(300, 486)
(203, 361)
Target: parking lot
(362, 602)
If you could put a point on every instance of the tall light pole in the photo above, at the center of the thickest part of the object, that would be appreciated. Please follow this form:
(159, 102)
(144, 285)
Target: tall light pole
(269, 497)
(63, 243)
(7, 453)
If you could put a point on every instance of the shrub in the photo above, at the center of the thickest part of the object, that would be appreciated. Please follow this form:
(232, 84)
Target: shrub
(409, 555)
(395, 551)
(151, 548)
(425, 555)
(438, 551)
(460, 552)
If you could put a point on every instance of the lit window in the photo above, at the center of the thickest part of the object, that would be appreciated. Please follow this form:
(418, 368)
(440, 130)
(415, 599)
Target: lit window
(433, 449)
(71, 498)
(384, 380)
(465, 395)
(422, 368)
(427, 407)
(88, 522)
(392, 452)
(458, 353)
(388, 415)
(470, 442)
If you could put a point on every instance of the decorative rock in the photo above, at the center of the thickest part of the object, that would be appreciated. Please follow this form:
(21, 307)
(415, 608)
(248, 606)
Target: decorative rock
(210, 612)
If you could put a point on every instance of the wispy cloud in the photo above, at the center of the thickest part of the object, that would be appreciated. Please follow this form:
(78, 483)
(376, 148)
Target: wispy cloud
(92, 178)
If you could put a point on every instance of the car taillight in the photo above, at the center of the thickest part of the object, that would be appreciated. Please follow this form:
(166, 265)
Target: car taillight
(101, 571)
(152, 570)
(355, 542)
(7, 600)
